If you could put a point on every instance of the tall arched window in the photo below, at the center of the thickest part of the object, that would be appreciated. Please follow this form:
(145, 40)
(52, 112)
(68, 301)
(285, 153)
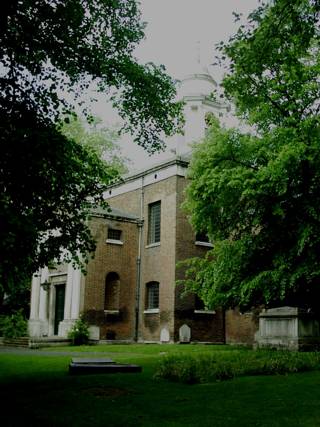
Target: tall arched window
(112, 292)
(152, 297)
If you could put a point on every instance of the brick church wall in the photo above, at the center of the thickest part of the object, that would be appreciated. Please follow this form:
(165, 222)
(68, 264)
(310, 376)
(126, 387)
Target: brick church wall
(241, 327)
(120, 259)
(158, 263)
(205, 327)
(128, 202)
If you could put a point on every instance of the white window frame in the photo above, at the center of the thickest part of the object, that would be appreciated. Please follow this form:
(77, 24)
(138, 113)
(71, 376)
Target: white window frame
(152, 287)
(154, 224)
(114, 241)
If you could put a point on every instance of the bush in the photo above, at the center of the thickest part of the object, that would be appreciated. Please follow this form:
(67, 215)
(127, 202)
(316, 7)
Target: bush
(225, 365)
(14, 325)
(79, 333)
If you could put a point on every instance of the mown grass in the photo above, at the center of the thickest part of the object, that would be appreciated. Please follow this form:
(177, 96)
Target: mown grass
(36, 389)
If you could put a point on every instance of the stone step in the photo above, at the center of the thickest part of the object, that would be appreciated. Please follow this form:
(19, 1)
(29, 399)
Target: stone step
(16, 342)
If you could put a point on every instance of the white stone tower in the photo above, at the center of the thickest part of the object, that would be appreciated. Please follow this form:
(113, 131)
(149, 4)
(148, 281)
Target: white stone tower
(197, 92)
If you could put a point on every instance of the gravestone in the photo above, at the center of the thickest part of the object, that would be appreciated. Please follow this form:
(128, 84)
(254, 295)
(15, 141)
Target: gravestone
(94, 333)
(164, 335)
(184, 334)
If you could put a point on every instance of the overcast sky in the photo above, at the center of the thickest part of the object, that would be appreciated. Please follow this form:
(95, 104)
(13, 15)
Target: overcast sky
(173, 29)
(174, 26)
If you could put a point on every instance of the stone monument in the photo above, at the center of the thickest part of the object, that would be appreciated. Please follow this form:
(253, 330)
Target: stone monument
(289, 328)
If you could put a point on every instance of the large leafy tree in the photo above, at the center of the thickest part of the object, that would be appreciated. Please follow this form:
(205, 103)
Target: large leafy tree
(97, 138)
(50, 46)
(258, 196)
(51, 51)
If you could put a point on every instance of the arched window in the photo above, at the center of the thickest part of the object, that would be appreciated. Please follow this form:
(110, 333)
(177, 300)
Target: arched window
(112, 292)
(152, 300)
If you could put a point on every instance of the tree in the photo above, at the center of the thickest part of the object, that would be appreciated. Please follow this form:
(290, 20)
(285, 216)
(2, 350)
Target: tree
(51, 183)
(51, 46)
(93, 135)
(48, 183)
(257, 196)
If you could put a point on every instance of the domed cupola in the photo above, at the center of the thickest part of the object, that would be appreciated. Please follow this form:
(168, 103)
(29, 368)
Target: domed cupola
(196, 90)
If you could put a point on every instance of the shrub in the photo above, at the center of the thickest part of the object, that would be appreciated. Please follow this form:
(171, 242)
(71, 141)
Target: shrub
(14, 325)
(79, 333)
(225, 365)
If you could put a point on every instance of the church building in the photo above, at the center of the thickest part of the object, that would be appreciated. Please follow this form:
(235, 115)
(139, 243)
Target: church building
(129, 293)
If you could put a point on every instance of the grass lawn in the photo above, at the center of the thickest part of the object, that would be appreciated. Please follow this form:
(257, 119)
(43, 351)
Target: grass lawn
(36, 389)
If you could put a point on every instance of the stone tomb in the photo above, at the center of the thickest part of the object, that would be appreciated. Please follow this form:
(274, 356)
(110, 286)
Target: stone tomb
(289, 328)
(100, 366)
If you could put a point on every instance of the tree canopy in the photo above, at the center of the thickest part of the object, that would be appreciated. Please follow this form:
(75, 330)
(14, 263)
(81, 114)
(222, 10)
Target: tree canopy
(51, 51)
(96, 137)
(50, 46)
(258, 195)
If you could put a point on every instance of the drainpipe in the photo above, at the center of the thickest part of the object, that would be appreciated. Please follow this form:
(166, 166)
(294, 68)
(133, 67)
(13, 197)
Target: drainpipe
(138, 278)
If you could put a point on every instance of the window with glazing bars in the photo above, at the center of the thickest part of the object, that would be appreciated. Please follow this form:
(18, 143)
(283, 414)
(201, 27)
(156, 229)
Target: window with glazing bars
(154, 222)
(152, 295)
(114, 234)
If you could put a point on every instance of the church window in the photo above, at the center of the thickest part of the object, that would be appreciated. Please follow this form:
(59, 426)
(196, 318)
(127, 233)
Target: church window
(114, 234)
(152, 301)
(112, 292)
(154, 222)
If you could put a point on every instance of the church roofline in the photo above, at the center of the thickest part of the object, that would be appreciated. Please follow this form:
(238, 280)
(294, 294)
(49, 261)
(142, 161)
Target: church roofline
(115, 214)
(163, 165)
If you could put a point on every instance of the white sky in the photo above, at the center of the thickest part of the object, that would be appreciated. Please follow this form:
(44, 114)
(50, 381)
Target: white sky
(173, 28)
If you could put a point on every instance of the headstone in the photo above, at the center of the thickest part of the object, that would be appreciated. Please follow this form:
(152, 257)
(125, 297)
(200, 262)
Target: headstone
(164, 335)
(94, 333)
(184, 334)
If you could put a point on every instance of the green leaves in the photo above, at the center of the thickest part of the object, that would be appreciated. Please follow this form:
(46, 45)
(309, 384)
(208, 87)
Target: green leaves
(64, 46)
(45, 199)
(49, 182)
(97, 139)
(258, 196)
(275, 65)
